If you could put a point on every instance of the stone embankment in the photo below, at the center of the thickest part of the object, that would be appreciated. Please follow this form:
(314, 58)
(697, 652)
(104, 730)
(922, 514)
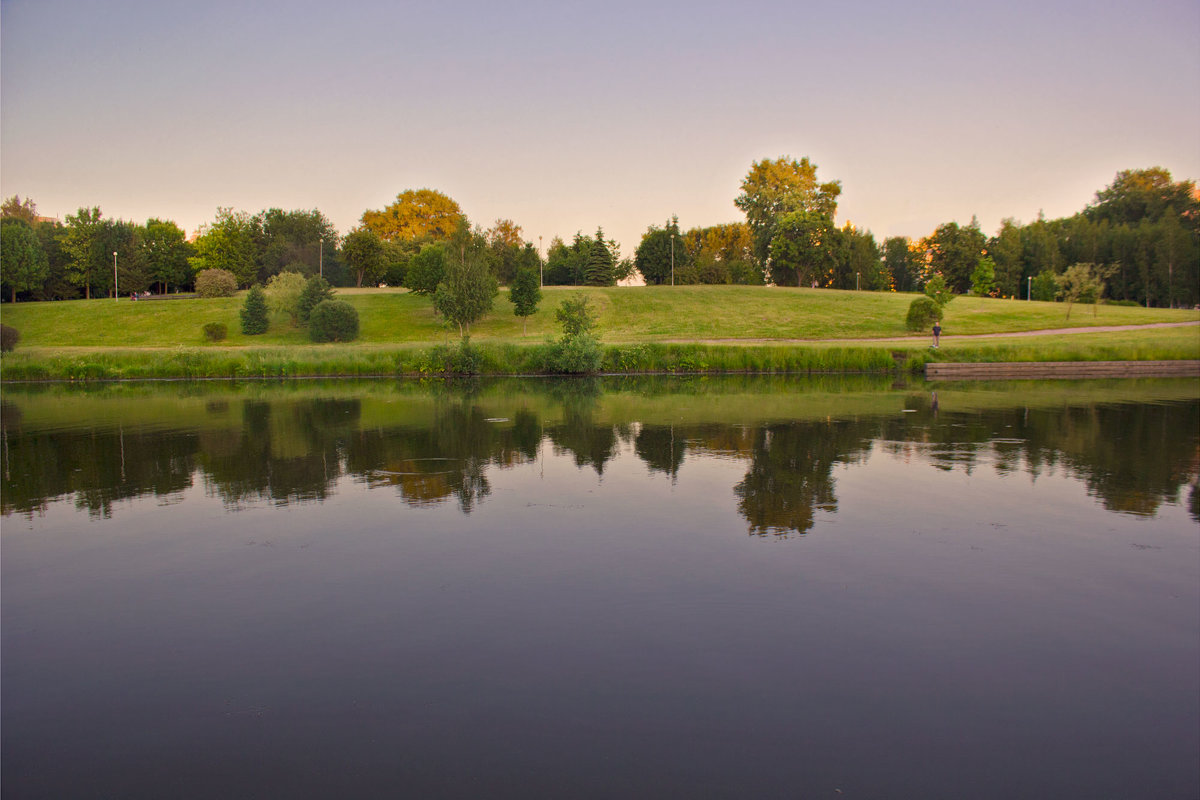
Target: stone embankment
(1019, 370)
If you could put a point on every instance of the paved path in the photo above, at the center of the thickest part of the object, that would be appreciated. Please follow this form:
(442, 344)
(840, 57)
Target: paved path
(926, 337)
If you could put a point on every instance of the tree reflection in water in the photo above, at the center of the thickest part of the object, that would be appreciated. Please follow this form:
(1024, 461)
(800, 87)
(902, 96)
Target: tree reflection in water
(1131, 457)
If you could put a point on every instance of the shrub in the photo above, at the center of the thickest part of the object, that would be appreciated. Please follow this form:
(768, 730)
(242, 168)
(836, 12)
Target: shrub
(576, 355)
(922, 313)
(215, 283)
(333, 321)
(215, 331)
(254, 312)
(9, 336)
(283, 294)
(315, 291)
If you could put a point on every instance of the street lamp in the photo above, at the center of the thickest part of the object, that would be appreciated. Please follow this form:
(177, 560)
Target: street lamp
(321, 257)
(672, 257)
(1029, 288)
(116, 291)
(540, 262)
(856, 280)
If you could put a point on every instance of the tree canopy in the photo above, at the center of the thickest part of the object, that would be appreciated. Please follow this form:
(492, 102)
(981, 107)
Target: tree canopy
(776, 187)
(416, 214)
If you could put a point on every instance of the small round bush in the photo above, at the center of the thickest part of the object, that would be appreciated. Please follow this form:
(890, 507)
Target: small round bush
(9, 336)
(333, 321)
(254, 312)
(215, 331)
(215, 283)
(922, 313)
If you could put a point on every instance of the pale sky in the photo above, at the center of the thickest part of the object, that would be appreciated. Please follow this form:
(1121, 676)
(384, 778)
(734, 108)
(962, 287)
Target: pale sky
(564, 116)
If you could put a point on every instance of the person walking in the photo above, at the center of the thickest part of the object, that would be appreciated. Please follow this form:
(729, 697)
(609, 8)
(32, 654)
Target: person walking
(937, 332)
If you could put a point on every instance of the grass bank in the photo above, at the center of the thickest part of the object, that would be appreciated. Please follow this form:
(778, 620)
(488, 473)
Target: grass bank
(692, 329)
(506, 358)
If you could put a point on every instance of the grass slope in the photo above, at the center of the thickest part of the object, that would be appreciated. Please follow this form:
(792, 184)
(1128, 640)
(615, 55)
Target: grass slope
(625, 315)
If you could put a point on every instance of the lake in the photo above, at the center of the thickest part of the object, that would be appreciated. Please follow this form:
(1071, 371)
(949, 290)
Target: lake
(659, 587)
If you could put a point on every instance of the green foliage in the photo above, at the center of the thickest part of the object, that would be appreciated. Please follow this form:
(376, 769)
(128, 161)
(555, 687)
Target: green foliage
(1080, 282)
(922, 313)
(212, 283)
(215, 331)
(333, 321)
(316, 290)
(802, 249)
(661, 254)
(954, 252)
(576, 355)
(229, 243)
(23, 264)
(365, 254)
(166, 252)
(601, 267)
(937, 291)
(777, 187)
(575, 315)
(525, 294)
(983, 279)
(88, 260)
(466, 292)
(297, 241)
(1045, 286)
(254, 312)
(283, 294)
(9, 336)
(426, 270)
(900, 263)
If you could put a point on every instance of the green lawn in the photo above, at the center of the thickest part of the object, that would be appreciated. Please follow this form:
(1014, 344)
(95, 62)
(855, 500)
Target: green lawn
(625, 315)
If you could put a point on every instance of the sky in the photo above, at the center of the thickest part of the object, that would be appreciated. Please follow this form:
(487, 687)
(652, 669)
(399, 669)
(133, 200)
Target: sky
(566, 116)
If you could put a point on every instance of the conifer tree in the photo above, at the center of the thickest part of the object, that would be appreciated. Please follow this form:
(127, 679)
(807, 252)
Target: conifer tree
(599, 270)
(254, 312)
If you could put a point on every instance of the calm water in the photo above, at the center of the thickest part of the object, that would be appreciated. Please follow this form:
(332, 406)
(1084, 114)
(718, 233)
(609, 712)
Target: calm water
(654, 588)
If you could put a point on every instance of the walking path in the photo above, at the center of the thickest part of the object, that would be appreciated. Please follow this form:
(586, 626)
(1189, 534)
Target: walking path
(957, 338)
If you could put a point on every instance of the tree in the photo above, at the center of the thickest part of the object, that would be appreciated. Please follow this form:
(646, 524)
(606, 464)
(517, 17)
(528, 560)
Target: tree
(955, 251)
(899, 261)
(720, 254)
(84, 245)
(23, 265)
(316, 290)
(16, 208)
(426, 270)
(937, 291)
(466, 292)
(578, 352)
(416, 214)
(566, 266)
(661, 253)
(364, 253)
(165, 252)
(299, 241)
(1138, 194)
(1080, 282)
(229, 243)
(283, 294)
(802, 250)
(858, 264)
(1044, 286)
(983, 279)
(601, 267)
(215, 283)
(254, 312)
(1006, 251)
(774, 188)
(505, 249)
(525, 294)
(333, 321)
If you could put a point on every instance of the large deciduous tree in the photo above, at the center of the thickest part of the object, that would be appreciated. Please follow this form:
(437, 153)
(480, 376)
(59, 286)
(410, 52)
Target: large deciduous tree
(775, 188)
(84, 245)
(802, 250)
(416, 214)
(23, 265)
(16, 208)
(365, 254)
(466, 292)
(661, 253)
(165, 251)
(954, 252)
(229, 243)
(299, 240)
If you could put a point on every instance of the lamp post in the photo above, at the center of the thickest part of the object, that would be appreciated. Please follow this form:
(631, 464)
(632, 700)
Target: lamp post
(1029, 288)
(321, 257)
(116, 291)
(540, 278)
(856, 280)
(672, 257)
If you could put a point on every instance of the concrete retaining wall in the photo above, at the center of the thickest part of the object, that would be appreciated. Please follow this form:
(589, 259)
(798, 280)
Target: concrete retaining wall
(1062, 369)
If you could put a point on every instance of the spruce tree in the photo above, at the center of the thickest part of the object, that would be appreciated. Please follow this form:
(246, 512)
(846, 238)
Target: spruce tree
(599, 270)
(254, 312)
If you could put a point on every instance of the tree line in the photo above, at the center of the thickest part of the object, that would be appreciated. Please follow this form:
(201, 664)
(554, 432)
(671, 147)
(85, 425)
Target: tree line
(1141, 235)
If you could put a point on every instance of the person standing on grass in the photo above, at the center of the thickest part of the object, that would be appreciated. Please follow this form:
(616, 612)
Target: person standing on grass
(937, 332)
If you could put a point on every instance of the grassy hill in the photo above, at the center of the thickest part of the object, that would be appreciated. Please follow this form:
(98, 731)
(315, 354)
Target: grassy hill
(625, 314)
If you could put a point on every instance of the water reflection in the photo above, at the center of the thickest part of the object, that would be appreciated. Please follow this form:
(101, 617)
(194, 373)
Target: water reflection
(438, 446)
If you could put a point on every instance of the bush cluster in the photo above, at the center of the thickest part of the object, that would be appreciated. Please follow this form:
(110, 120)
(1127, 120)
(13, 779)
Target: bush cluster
(215, 331)
(215, 283)
(922, 313)
(333, 321)
(9, 336)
